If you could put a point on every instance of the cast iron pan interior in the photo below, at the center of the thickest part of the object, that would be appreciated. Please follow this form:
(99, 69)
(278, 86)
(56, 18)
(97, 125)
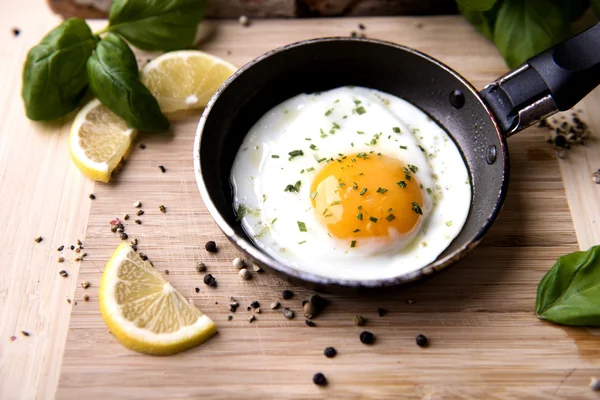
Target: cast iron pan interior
(323, 64)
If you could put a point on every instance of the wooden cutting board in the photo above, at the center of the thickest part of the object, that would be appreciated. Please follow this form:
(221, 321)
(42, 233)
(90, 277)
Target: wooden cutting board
(485, 341)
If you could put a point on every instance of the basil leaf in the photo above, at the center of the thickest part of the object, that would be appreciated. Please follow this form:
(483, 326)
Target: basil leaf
(569, 293)
(113, 75)
(477, 5)
(54, 75)
(484, 21)
(157, 25)
(525, 28)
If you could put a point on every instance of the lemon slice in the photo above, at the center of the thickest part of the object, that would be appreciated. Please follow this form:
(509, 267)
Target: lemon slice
(99, 140)
(144, 311)
(183, 80)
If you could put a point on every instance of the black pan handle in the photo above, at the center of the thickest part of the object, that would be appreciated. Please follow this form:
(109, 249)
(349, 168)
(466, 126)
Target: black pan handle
(554, 80)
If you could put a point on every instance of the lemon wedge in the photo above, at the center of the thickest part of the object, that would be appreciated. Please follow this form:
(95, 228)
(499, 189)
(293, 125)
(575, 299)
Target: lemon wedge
(99, 140)
(144, 312)
(183, 80)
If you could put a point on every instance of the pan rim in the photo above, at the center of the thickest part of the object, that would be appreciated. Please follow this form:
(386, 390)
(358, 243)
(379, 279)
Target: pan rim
(257, 256)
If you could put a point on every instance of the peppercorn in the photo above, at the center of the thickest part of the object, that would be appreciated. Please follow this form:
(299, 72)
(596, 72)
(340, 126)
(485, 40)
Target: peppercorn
(422, 341)
(16, 32)
(137, 204)
(60, 248)
(197, 290)
(209, 280)
(244, 274)
(255, 304)
(85, 284)
(308, 322)
(200, 266)
(257, 311)
(319, 379)
(251, 318)
(560, 141)
(38, 239)
(287, 294)
(244, 21)
(60, 259)
(256, 268)
(86, 297)
(359, 321)
(229, 317)
(275, 305)
(162, 209)
(162, 168)
(233, 305)
(381, 311)
(330, 352)
(314, 306)
(289, 314)
(63, 273)
(166, 272)
(594, 384)
(238, 263)
(137, 221)
(123, 236)
(72, 247)
(92, 196)
(367, 337)
(140, 212)
(211, 246)
(361, 27)
(142, 146)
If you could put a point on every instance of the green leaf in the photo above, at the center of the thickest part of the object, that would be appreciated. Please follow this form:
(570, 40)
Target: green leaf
(157, 24)
(477, 5)
(569, 293)
(54, 75)
(114, 80)
(525, 28)
(484, 21)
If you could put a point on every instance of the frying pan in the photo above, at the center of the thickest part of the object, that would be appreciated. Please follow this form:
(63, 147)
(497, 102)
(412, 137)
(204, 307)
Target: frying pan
(478, 122)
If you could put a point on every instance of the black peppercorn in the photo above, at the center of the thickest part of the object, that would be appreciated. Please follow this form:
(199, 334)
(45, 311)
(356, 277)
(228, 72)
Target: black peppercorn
(211, 246)
(361, 27)
(422, 341)
(330, 352)
(197, 290)
(381, 311)
(319, 379)
(287, 294)
(560, 141)
(162, 169)
(310, 323)
(16, 32)
(93, 196)
(210, 280)
(367, 337)
(255, 304)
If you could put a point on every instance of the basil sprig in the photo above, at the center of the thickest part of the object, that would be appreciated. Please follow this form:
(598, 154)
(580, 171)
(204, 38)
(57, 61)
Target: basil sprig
(521, 29)
(114, 80)
(59, 70)
(54, 76)
(569, 293)
(156, 25)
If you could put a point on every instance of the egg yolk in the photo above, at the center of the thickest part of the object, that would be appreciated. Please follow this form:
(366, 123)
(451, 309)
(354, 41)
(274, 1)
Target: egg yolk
(367, 195)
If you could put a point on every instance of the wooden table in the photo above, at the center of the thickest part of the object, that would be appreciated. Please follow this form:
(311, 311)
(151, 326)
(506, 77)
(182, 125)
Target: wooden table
(485, 339)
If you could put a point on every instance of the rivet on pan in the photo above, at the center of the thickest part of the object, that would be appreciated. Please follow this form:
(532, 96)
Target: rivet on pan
(491, 154)
(457, 99)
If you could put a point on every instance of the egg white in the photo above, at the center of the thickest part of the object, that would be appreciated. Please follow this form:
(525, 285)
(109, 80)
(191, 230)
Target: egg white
(332, 122)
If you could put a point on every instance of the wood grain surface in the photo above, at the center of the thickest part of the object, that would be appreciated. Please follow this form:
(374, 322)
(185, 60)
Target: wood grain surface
(485, 341)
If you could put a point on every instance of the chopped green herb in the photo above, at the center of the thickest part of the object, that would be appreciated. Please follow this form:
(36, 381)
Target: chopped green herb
(295, 153)
(293, 188)
(313, 195)
(390, 217)
(356, 230)
(413, 168)
(449, 223)
(416, 208)
(335, 203)
(373, 219)
(337, 101)
(307, 138)
(359, 216)
(429, 191)
(264, 198)
(353, 243)
(359, 207)
(402, 184)
(302, 242)
(320, 160)
(313, 147)
(328, 112)
(420, 186)
(373, 142)
(336, 126)
(328, 215)
(360, 132)
(362, 192)
(325, 211)
(310, 169)
(241, 211)
(422, 149)
(352, 144)
(403, 147)
(381, 190)
(274, 156)
(357, 102)
(361, 110)
(301, 171)
(341, 184)
(396, 129)
(301, 226)
(390, 210)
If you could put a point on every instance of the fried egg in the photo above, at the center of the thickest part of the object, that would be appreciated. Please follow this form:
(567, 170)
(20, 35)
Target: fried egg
(351, 183)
